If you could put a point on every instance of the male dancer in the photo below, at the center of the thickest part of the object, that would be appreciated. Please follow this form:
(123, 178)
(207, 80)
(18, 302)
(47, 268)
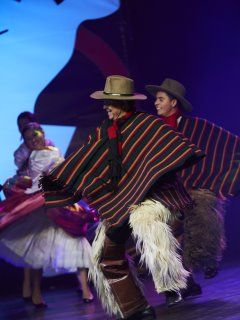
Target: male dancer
(127, 170)
(210, 182)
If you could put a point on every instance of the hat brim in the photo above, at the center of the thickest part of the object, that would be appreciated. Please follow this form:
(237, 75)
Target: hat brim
(100, 95)
(153, 89)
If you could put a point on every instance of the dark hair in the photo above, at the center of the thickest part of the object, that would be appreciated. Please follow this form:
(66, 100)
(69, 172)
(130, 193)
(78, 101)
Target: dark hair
(32, 125)
(171, 97)
(124, 105)
(27, 115)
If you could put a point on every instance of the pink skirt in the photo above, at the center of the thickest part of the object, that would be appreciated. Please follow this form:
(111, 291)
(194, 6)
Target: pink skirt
(31, 236)
(72, 219)
(18, 206)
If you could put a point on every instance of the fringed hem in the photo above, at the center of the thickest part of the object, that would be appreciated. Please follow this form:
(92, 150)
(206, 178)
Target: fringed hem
(101, 284)
(48, 183)
(56, 193)
(204, 234)
(157, 245)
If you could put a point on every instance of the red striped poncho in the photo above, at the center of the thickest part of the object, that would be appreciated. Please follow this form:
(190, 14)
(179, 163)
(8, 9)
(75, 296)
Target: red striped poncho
(151, 150)
(219, 171)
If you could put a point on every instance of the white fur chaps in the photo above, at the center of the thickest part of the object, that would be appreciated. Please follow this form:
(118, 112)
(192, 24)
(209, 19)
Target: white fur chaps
(158, 249)
(101, 284)
(157, 245)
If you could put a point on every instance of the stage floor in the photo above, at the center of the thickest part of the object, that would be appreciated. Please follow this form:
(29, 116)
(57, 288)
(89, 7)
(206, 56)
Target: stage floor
(220, 301)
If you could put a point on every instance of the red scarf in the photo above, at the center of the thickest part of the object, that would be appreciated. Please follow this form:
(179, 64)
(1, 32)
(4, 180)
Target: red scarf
(114, 128)
(172, 120)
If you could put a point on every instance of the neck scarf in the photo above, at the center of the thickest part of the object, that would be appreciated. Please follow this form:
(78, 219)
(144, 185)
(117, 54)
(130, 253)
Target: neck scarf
(172, 120)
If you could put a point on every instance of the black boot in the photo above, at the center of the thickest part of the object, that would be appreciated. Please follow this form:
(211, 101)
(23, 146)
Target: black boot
(210, 268)
(193, 289)
(172, 298)
(210, 272)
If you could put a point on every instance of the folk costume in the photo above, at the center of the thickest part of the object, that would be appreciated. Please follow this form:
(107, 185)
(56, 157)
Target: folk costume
(129, 175)
(14, 184)
(31, 236)
(211, 182)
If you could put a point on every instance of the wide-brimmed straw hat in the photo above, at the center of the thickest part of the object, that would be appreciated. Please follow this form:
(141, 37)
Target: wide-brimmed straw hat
(118, 88)
(174, 88)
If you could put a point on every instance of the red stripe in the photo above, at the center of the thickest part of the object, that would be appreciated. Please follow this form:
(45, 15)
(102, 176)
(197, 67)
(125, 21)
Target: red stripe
(97, 163)
(145, 172)
(80, 163)
(149, 182)
(231, 165)
(139, 156)
(204, 160)
(234, 180)
(214, 159)
(135, 129)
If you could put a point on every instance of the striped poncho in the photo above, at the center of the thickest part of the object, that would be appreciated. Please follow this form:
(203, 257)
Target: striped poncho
(151, 150)
(219, 171)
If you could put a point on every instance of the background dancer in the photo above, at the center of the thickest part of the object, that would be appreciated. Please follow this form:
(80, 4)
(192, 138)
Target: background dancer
(40, 240)
(21, 156)
(210, 182)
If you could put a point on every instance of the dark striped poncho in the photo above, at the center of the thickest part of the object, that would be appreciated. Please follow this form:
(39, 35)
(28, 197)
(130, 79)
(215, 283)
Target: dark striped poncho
(150, 150)
(219, 171)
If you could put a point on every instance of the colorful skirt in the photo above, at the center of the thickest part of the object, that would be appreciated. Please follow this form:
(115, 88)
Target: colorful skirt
(30, 236)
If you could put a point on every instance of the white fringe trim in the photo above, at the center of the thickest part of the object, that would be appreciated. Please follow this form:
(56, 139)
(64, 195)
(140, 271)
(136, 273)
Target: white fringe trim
(157, 245)
(96, 275)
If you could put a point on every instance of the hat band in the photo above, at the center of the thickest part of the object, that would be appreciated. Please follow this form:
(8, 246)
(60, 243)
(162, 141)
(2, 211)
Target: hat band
(118, 94)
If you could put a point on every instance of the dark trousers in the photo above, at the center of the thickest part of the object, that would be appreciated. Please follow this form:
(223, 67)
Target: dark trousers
(115, 268)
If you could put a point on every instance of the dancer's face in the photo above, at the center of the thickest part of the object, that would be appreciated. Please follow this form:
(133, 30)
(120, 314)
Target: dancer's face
(113, 112)
(34, 139)
(164, 105)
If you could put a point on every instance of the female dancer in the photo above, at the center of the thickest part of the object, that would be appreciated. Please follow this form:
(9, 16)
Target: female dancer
(38, 239)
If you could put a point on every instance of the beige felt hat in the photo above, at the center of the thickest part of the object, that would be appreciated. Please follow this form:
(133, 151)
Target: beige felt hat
(118, 88)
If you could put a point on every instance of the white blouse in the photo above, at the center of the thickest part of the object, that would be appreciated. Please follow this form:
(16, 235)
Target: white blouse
(22, 153)
(41, 161)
